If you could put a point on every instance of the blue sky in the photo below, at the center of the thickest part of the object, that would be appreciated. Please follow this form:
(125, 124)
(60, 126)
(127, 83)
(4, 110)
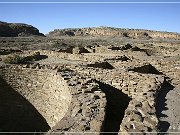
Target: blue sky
(47, 17)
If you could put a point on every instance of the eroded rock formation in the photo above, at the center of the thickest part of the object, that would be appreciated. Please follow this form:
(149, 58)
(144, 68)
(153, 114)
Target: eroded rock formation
(115, 32)
(18, 29)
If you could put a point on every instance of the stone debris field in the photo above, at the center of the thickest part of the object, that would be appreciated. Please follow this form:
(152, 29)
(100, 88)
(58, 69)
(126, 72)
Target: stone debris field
(90, 81)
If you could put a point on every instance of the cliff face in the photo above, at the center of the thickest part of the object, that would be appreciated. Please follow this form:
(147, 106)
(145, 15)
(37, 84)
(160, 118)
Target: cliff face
(108, 31)
(17, 29)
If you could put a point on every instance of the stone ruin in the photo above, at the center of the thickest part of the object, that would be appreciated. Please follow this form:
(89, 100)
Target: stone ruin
(91, 89)
(65, 100)
(92, 97)
(46, 91)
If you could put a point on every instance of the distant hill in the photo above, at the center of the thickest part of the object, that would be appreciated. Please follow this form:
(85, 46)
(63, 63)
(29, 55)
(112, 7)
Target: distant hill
(18, 29)
(115, 32)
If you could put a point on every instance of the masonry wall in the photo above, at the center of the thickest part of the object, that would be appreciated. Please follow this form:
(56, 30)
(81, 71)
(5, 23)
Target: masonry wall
(44, 89)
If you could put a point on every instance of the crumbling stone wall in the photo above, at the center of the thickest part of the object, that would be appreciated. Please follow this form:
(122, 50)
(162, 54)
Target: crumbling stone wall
(140, 115)
(130, 88)
(46, 90)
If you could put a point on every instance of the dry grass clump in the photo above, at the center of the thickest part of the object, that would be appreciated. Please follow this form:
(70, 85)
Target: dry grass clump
(16, 59)
(13, 59)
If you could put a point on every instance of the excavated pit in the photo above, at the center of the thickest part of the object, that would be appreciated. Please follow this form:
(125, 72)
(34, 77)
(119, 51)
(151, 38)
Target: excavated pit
(103, 65)
(146, 69)
(31, 100)
(124, 47)
(121, 58)
(17, 114)
(147, 51)
(117, 103)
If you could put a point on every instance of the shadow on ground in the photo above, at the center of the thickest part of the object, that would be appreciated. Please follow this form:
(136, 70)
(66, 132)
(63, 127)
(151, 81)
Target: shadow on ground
(163, 126)
(117, 103)
(17, 114)
(41, 57)
(146, 69)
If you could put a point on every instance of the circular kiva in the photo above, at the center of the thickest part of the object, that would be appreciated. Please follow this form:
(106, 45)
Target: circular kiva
(34, 99)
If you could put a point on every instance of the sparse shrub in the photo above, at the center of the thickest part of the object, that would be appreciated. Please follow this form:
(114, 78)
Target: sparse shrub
(178, 58)
(13, 59)
(55, 45)
(33, 57)
(16, 59)
(135, 48)
(36, 56)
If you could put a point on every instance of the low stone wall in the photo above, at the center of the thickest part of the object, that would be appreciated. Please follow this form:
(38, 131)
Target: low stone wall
(143, 89)
(46, 90)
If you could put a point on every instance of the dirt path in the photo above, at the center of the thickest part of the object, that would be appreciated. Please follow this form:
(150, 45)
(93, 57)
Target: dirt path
(173, 112)
(168, 110)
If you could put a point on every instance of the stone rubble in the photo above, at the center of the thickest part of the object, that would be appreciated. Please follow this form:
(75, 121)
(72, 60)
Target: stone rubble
(95, 89)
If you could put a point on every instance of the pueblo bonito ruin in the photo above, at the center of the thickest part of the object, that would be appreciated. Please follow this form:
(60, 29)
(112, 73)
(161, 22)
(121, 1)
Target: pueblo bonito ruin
(97, 80)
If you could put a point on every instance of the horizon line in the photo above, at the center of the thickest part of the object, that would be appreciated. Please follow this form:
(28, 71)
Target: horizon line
(128, 28)
(90, 2)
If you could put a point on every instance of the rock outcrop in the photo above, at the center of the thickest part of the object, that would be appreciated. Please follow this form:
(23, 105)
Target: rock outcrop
(18, 29)
(115, 32)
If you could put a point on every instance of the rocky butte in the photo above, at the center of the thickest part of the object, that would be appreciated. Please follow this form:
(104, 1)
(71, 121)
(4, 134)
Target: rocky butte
(115, 32)
(90, 80)
(17, 30)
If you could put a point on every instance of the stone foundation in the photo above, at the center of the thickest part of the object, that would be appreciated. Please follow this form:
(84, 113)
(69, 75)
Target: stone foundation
(46, 90)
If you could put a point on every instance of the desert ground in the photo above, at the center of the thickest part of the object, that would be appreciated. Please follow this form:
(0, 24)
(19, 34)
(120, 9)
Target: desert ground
(89, 80)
